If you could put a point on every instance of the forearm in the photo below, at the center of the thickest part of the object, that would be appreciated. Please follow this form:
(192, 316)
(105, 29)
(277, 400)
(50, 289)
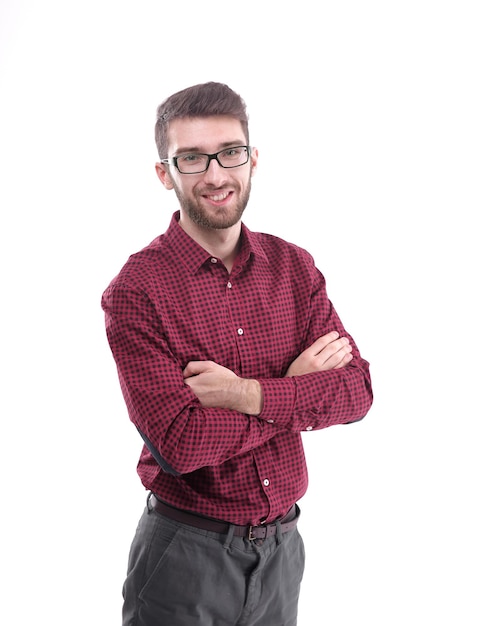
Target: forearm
(252, 398)
(185, 434)
(246, 396)
(319, 399)
(188, 435)
(218, 386)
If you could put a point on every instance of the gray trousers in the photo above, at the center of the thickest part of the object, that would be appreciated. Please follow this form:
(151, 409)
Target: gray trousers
(184, 576)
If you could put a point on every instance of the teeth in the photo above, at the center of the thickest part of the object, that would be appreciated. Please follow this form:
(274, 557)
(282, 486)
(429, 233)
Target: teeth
(219, 197)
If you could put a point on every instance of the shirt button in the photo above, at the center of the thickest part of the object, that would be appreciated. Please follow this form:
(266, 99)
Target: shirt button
(270, 421)
(240, 331)
(265, 482)
(309, 428)
(229, 285)
(213, 260)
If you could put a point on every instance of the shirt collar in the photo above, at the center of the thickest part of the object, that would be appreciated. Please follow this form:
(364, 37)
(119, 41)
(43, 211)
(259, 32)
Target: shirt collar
(252, 243)
(194, 256)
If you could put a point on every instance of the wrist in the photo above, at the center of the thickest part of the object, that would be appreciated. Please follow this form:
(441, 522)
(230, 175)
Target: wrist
(249, 396)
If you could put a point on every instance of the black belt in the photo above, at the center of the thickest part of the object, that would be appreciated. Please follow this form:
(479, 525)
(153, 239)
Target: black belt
(288, 522)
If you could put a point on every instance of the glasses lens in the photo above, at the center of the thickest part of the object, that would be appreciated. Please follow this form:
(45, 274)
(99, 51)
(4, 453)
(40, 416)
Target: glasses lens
(232, 157)
(192, 163)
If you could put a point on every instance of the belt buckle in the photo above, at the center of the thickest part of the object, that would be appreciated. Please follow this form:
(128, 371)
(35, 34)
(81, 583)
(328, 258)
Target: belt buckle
(253, 537)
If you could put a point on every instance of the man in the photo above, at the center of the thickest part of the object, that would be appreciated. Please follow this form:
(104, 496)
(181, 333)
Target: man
(227, 348)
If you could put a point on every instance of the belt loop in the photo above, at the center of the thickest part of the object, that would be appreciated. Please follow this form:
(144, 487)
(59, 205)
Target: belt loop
(279, 534)
(148, 502)
(229, 537)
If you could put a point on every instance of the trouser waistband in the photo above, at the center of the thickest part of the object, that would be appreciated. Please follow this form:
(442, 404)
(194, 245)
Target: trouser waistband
(287, 523)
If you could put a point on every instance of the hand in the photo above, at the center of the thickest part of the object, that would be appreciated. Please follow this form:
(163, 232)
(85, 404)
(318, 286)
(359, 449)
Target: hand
(218, 386)
(328, 352)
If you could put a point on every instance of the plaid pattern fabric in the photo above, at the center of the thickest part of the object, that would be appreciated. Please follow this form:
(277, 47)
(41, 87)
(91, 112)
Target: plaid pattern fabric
(173, 303)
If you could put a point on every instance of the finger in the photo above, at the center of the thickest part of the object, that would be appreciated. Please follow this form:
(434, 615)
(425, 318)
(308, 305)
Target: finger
(193, 368)
(333, 348)
(323, 341)
(334, 354)
(346, 359)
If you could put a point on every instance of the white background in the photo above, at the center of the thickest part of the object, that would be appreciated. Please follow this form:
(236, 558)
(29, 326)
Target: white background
(385, 99)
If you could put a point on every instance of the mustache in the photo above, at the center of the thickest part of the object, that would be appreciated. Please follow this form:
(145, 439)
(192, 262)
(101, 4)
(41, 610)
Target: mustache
(209, 189)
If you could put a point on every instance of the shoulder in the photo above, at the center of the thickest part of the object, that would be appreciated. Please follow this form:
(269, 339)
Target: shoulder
(280, 250)
(142, 267)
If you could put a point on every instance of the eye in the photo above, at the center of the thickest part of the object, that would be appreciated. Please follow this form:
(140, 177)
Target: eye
(233, 153)
(189, 158)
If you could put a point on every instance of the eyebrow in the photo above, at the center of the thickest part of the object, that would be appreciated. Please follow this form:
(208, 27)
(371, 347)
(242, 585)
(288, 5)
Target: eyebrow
(221, 146)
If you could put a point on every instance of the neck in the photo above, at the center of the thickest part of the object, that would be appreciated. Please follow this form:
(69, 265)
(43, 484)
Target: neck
(223, 243)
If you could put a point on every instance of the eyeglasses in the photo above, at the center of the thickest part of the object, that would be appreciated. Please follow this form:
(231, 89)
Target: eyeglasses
(196, 163)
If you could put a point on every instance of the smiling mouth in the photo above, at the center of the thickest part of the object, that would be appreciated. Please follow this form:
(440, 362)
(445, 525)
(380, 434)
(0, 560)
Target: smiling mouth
(219, 197)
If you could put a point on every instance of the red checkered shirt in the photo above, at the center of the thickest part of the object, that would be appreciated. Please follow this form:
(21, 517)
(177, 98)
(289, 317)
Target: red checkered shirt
(172, 303)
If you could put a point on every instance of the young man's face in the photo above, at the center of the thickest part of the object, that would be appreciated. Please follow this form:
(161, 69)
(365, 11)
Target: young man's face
(217, 197)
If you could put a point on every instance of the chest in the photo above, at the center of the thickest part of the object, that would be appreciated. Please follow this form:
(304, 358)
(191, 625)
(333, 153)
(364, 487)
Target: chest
(253, 323)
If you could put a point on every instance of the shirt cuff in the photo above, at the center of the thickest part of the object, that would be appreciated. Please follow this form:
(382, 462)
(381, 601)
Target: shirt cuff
(279, 397)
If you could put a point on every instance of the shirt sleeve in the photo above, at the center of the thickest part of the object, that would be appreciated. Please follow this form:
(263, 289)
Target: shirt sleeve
(320, 399)
(181, 434)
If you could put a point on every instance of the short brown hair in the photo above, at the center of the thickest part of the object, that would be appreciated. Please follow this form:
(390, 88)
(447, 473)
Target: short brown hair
(204, 100)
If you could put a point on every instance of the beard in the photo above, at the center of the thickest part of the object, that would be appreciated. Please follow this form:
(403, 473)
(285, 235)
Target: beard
(217, 219)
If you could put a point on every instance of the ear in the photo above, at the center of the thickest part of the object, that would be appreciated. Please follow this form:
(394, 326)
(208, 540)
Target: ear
(162, 172)
(254, 161)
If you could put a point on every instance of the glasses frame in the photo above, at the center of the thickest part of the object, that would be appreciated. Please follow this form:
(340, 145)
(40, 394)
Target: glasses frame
(211, 157)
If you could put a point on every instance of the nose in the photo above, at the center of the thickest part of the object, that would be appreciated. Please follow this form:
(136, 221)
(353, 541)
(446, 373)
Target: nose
(215, 174)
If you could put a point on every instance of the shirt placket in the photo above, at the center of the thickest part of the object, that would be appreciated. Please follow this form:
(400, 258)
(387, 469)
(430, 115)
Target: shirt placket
(263, 468)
